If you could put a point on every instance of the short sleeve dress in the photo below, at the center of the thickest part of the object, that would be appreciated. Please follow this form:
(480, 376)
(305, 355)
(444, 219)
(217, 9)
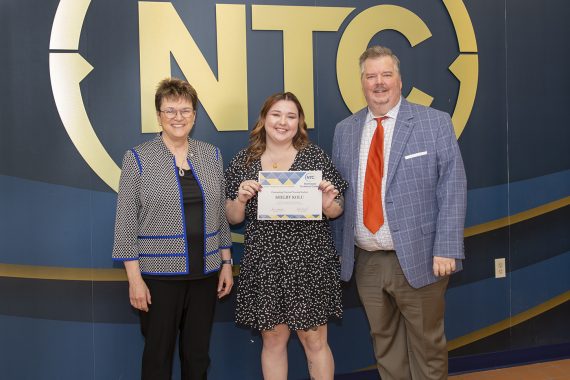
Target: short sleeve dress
(290, 271)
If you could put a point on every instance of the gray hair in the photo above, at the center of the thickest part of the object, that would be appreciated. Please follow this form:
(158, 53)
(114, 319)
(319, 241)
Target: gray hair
(378, 51)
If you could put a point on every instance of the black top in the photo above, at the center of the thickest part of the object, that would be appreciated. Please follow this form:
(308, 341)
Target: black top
(194, 219)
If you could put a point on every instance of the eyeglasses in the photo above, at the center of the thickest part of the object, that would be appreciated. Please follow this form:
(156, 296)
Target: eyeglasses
(171, 113)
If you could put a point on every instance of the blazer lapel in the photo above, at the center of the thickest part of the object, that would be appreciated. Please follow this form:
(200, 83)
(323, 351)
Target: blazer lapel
(402, 130)
(358, 121)
(193, 156)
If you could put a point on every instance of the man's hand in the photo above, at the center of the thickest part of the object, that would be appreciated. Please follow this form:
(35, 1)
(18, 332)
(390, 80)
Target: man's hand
(443, 266)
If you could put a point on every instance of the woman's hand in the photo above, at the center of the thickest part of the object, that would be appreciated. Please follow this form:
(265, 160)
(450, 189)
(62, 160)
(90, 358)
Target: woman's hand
(329, 193)
(139, 294)
(235, 209)
(226, 281)
(331, 207)
(247, 190)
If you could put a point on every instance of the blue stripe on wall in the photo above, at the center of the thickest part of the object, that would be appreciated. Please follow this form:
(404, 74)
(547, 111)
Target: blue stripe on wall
(490, 301)
(80, 228)
(490, 203)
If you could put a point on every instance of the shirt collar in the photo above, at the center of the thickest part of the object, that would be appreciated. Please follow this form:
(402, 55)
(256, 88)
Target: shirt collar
(392, 114)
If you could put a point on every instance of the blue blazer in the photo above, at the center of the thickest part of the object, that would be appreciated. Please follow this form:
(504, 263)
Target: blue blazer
(426, 193)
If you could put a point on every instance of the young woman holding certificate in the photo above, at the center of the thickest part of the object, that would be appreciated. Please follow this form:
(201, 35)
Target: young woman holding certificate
(289, 278)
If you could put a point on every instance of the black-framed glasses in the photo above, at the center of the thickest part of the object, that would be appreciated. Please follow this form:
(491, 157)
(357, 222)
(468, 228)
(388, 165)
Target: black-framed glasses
(171, 113)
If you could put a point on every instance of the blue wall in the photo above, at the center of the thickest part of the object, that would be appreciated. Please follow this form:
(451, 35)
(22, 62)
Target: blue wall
(57, 213)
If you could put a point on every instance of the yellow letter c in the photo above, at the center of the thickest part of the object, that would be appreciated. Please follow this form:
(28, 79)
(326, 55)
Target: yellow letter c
(356, 38)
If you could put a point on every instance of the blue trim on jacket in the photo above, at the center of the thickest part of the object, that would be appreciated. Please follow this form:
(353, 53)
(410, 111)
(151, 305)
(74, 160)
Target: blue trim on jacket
(181, 197)
(137, 158)
(161, 237)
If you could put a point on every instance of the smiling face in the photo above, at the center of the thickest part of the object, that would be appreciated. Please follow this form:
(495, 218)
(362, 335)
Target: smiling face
(183, 115)
(381, 84)
(282, 122)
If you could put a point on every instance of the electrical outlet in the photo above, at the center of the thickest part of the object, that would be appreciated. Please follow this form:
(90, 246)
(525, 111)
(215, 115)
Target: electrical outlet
(500, 268)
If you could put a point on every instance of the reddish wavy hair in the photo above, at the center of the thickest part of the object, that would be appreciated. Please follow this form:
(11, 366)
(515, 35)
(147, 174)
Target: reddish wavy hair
(257, 142)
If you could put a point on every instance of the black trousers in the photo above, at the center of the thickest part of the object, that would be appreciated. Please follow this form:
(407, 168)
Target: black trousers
(185, 307)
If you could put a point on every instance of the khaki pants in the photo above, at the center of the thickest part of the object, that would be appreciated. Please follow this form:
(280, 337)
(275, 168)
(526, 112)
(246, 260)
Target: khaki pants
(406, 324)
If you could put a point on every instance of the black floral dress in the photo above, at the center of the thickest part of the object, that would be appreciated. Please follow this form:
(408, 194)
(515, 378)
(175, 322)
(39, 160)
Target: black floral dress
(290, 271)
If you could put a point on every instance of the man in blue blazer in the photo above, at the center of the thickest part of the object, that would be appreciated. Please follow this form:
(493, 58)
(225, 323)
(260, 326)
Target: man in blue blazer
(401, 233)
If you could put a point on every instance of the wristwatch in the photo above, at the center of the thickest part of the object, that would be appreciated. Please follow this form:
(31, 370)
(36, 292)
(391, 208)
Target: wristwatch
(230, 262)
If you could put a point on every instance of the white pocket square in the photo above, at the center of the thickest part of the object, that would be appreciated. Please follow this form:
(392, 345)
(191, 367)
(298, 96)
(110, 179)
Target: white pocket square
(415, 155)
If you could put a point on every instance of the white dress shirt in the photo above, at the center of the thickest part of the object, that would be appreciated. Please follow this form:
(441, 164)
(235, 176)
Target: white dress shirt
(382, 239)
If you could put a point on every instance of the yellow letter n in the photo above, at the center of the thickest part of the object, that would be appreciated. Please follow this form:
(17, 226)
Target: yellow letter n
(162, 32)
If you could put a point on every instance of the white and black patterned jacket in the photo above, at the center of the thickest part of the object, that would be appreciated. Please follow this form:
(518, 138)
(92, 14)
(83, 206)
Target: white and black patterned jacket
(150, 223)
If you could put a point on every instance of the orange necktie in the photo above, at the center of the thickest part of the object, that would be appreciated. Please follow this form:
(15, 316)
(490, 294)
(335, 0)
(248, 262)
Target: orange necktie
(372, 195)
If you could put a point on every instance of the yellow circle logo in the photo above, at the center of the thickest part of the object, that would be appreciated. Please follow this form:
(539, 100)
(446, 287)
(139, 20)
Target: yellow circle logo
(228, 91)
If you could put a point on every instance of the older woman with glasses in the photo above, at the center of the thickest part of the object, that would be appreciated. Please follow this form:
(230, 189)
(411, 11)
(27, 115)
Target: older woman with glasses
(172, 234)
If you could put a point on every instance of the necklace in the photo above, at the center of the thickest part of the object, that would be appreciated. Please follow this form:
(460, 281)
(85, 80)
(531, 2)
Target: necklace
(180, 153)
(275, 163)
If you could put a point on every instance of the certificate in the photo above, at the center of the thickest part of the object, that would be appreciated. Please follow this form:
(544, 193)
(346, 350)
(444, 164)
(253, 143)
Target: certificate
(290, 195)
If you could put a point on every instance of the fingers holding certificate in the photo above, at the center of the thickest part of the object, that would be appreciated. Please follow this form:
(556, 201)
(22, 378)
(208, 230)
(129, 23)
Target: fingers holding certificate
(332, 203)
(247, 190)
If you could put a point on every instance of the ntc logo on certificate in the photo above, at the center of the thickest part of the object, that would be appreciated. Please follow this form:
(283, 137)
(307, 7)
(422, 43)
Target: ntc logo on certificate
(290, 195)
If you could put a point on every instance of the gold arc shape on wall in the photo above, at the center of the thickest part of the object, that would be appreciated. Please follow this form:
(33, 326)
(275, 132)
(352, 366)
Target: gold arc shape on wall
(68, 69)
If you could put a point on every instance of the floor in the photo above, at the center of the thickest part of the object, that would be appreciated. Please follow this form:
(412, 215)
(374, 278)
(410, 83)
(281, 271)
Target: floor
(556, 370)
